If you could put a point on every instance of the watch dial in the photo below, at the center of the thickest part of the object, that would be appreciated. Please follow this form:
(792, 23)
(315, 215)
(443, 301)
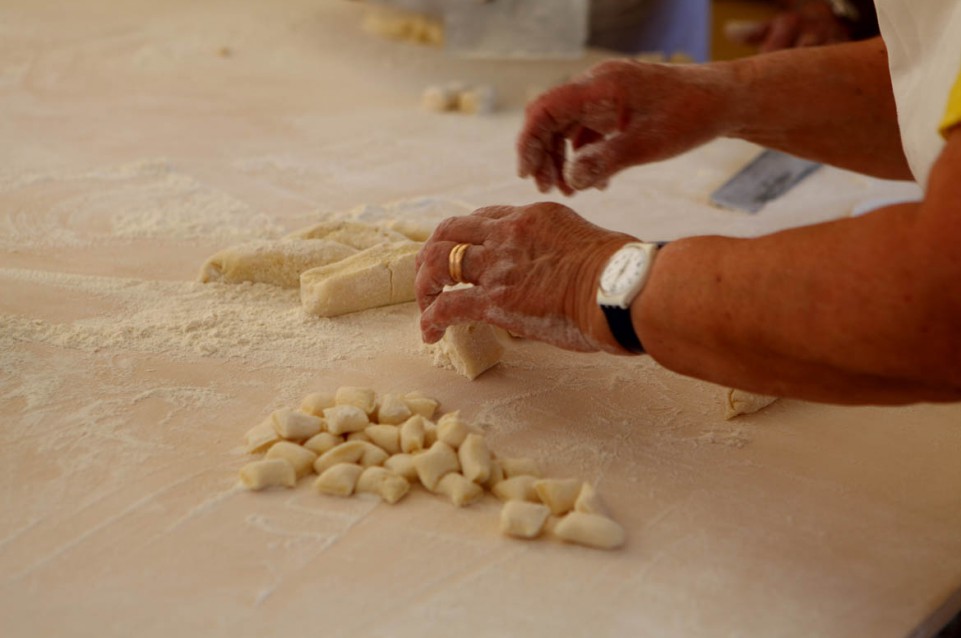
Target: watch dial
(623, 270)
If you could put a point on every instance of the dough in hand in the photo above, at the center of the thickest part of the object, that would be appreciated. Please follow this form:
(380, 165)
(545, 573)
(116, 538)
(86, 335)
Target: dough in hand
(378, 276)
(470, 349)
(739, 402)
(272, 262)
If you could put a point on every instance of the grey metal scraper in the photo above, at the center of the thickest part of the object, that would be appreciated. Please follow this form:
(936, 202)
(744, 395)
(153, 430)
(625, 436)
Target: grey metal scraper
(767, 177)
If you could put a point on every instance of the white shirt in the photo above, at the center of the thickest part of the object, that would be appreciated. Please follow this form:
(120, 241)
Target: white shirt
(923, 39)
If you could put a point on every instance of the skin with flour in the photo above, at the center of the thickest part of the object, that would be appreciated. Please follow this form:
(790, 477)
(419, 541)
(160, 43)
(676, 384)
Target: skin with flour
(848, 311)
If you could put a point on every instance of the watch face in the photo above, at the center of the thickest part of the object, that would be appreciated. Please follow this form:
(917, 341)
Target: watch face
(623, 270)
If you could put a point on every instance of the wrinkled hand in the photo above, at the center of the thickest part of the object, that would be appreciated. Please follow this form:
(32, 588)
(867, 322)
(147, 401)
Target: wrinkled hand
(534, 268)
(620, 113)
(810, 24)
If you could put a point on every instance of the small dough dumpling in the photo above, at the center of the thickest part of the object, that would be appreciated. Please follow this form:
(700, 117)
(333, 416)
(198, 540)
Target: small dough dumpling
(517, 488)
(589, 501)
(452, 429)
(316, 402)
(420, 404)
(522, 519)
(433, 464)
(339, 479)
(591, 530)
(389, 486)
(363, 398)
(520, 466)
(439, 98)
(298, 456)
(378, 276)
(402, 465)
(739, 402)
(323, 442)
(272, 262)
(344, 419)
(475, 458)
(261, 436)
(295, 425)
(460, 490)
(392, 410)
(266, 473)
(412, 434)
(558, 494)
(469, 349)
(386, 437)
(349, 452)
(477, 100)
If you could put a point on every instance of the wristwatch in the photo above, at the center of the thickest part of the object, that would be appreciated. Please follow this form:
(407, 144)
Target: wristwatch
(621, 282)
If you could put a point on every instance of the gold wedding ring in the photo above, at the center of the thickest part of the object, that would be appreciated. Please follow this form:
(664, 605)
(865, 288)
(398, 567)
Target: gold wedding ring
(455, 262)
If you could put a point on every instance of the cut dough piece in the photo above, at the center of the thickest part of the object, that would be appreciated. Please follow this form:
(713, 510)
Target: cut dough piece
(477, 100)
(589, 501)
(452, 430)
(339, 479)
(402, 465)
(381, 481)
(475, 458)
(521, 519)
(440, 98)
(272, 262)
(298, 456)
(378, 276)
(261, 436)
(558, 494)
(360, 435)
(520, 467)
(420, 404)
(459, 489)
(392, 410)
(740, 402)
(411, 229)
(316, 402)
(412, 434)
(363, 398)
(349, 452)
(386, 437)
(372, 455)
(432, 465)
(397, 24)
(469, 349)
(591, 530)
(357, 235)
(323, 442)
(294, 425)
(517, 488)
(268, 473)
(344, 419)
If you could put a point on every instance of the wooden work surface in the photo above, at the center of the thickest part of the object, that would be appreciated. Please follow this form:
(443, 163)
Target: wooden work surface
(137, 138)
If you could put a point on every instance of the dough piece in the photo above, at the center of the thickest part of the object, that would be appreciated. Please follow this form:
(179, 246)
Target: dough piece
(261, 436)
(294, 425)
(459, 489)
(386, 437)
(357, 235)
(349, 452)
(339, 479)
(316, 402)
(740, 402)
(378, 276)
(381, 481)
(430, 433)
(432, 465)
(589, 501)
(417, 403)
(475, 458)
(517, 488)
(469, 349)
(520, 467)
(323, 442)
(279, 263)
(412, 434)
(363, 398)
(558, 494)
(392, 410)
(344, 419)
(439, 98)
(402, 25)
(268, 473)
(298, 456)
(411, 229)
(402, 465)
(372, 455)
(452, 430)
(591, 530)
(360, 435)
(477, 100)
(521, 519)
(496, 473)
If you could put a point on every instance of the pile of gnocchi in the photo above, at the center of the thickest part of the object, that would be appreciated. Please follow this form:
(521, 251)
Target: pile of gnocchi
(357, 442)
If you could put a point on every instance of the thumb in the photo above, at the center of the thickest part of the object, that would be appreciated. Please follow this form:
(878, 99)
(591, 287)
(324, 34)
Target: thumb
(593, 165)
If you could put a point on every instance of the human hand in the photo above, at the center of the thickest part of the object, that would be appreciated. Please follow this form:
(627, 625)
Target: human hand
(621, 113)
(809, 23)
(534, 268)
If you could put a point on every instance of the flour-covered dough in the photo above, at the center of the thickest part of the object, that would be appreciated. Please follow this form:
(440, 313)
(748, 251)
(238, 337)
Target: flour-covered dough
(358, 235)
(739, 402)
(279, 262)
(470, 349)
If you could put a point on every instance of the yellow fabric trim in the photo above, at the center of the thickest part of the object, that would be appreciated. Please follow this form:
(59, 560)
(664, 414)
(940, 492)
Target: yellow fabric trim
(952, 114)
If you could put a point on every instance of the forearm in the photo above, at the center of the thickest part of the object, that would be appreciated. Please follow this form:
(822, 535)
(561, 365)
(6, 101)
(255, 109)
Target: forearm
(833, 104)
(861, 310)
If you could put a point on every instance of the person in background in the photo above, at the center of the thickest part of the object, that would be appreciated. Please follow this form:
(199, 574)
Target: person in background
(803, 23)
(862, 310)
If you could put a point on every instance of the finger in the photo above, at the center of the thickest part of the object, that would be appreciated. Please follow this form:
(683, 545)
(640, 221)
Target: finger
(584, 136)
(782, 34)
(809, 39)
(594, 165)
(433, 272)
(451, 308)
(467, 229)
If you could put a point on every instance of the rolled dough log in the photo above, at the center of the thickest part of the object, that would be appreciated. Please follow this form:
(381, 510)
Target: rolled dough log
(470, 349)
(739, 402)
(272, 262)
(357, 235)
(378, 276)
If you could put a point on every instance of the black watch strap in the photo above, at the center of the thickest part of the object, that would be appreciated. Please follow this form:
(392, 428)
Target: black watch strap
(619, 321)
